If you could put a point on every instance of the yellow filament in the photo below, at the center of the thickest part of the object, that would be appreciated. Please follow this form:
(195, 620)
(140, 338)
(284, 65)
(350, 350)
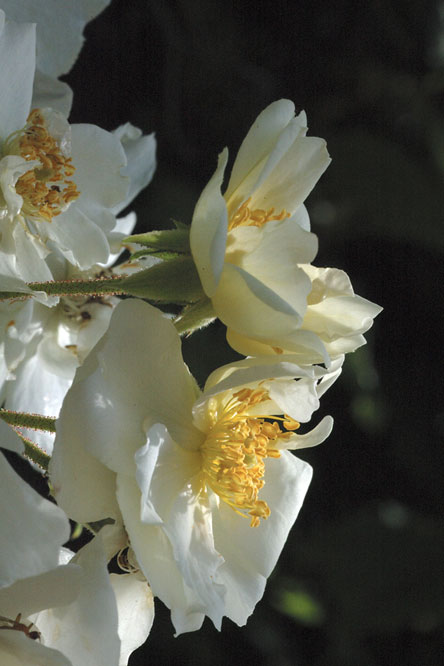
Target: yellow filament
(245, 217)
(234, 452)
(46, 190)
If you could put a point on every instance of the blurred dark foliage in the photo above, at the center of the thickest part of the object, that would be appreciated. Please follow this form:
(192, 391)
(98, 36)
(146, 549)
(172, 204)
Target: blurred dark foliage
(360, 581)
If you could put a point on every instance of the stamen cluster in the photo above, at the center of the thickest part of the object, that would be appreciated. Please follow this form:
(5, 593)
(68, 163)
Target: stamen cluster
(46, 190)
(234, 453)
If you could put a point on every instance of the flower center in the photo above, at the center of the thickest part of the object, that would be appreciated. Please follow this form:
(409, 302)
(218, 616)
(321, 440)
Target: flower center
(234, 452)
(245, 217)
(46, 189)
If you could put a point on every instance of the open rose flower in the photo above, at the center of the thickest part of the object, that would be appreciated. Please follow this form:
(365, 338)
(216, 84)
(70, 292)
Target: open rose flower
(204, 483)
(60, 185)
(253, 248)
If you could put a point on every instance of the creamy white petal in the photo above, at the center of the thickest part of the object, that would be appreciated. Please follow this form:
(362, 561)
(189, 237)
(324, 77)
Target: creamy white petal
(99, 158)
(155, 557)
(208, 233)
(86, 630)
(29, 595)
(304, 345)
(52, 93)
(171, 490)
(294, 176)
(9, 439)
(260, 140)
(59, 28)
(135, 608)
(257, 549)
(16, 649)
(82, 485)
(79, 238)
(33, 529)
(140, 153)
(316, 436)
(250, 307)
(17, 55)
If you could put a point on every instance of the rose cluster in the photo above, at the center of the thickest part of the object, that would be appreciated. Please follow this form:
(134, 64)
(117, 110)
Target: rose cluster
(188, 493)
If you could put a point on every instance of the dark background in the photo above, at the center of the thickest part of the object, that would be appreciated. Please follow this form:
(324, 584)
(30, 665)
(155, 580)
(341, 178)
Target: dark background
(361, 579)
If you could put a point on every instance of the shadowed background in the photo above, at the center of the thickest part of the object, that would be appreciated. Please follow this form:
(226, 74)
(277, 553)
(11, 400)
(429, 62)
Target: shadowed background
(361, 579)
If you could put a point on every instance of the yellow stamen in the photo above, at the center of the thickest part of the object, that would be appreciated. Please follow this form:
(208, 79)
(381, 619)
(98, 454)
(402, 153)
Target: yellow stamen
(234, 452)
(47, 189)
(245, 217)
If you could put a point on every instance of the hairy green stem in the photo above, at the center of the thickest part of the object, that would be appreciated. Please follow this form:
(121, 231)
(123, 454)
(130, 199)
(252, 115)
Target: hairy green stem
(71, 287)
(25, 420)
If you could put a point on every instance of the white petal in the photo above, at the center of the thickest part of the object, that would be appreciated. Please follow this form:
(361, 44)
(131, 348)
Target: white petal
(249, 306)
(51, 93)
(140, 380)
(306, 346)
(33, 529)
(99, 158)
(316, 436)
(293, 178)
(172, 492)
(155, 557)
(82, 485)
(244, 589)
(17, 55)
(208, 234)
(57, 587)
(135, 608)
(86, 630)
(79, 238)
(59, 28)
(16, 649)
(140, 153)
(9, 439)
(260, 140)
(257, 548)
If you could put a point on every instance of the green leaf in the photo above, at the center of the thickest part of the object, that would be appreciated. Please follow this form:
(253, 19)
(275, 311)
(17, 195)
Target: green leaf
(171, 240)
(175, 281)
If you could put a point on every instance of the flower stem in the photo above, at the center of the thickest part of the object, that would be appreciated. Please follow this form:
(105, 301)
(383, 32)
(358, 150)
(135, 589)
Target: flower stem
(71, 287)
(25, 420)
(35, 453)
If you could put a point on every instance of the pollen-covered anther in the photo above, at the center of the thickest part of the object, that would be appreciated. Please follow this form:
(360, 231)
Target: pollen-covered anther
(46, 189)
(245, 217)
(234, 452)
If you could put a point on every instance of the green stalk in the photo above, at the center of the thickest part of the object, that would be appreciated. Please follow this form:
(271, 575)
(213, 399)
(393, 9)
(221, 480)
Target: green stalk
(24, 420)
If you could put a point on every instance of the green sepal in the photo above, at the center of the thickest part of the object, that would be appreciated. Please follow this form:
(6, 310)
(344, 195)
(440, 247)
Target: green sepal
(196, 316)
(180, 225)
(175, 281)
(170, 240)
(151, 252)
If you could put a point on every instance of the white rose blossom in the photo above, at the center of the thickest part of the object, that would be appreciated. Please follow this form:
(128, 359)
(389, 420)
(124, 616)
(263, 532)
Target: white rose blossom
(60, 185)
(204, 483)
(44, 339)
(253, 248)
(56, 608)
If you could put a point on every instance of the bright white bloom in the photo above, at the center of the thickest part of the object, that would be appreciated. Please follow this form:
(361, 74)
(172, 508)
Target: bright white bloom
(41, 346)
(59, 39)
(252, 247)
(205, 484)
(52, 612)
(60, 185)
